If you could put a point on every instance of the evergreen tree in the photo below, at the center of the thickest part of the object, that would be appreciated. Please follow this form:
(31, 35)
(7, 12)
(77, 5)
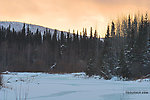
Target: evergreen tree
(91, 69)
(55, 45)
(113, 29)
(91, 33)
(123, 68)
(62, 38)
(108, 33)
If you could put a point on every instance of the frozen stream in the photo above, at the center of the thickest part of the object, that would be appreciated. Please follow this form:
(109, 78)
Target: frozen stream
(76, 86)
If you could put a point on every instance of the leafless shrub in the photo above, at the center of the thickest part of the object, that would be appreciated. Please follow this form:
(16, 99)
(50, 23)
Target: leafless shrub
(0, 79)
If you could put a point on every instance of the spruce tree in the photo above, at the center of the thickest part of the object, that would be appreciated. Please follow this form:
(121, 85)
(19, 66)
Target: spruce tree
(113, 29)
(91, 33)
(123, 70)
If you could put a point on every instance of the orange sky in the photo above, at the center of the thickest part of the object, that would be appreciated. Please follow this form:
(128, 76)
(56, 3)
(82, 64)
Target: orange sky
(69, 14)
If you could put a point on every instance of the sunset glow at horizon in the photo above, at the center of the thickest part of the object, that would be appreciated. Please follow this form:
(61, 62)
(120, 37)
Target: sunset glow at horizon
(70, 14)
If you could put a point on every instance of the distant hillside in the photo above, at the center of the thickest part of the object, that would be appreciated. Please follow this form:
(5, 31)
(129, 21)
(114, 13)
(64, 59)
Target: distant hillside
(18, 26)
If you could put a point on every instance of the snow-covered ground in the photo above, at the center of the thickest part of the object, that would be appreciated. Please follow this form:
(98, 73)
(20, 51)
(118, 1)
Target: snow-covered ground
(76, 86)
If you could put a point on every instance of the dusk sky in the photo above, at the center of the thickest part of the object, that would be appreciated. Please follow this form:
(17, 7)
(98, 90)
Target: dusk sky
(70, 14)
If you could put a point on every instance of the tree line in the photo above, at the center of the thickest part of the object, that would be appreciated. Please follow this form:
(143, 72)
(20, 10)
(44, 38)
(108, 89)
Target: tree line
(54, 52)
(126, 50)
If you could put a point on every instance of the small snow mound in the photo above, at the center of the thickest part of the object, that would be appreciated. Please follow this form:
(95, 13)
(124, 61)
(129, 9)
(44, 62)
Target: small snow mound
(6, 72)
(116, 79)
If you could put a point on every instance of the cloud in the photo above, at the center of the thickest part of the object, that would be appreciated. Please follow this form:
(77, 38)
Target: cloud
(65, 14)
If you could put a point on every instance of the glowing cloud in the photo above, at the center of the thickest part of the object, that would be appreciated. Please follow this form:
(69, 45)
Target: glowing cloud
(69, 14)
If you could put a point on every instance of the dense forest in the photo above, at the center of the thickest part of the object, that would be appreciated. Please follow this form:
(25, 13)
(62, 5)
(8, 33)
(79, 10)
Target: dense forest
(125, 51)
(50, 52)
